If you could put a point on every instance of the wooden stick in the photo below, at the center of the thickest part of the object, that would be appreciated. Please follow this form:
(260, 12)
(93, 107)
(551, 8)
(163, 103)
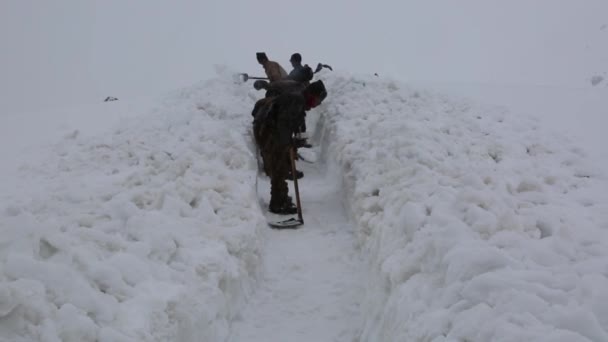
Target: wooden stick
(292, 155)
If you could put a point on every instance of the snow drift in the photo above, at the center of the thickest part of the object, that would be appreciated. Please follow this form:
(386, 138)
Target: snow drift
(150, 232)
(479, 225)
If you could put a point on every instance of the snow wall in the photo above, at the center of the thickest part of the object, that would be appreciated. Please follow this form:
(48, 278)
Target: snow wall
(478, 225)
(151, 232)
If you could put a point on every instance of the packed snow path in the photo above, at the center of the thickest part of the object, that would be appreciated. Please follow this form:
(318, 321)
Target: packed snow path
(312, 284)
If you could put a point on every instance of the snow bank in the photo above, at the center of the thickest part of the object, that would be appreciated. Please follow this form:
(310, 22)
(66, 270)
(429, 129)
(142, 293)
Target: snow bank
(576, 113)
(148, 233)
(479, 225)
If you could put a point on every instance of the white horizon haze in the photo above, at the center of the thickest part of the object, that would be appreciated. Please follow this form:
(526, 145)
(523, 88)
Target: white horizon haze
(68, 52)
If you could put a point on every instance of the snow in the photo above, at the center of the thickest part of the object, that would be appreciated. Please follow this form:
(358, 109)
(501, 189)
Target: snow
(23, 133)
(469, 214)
(149, 231)
(428, 218)
(313, 277)
(577, 114)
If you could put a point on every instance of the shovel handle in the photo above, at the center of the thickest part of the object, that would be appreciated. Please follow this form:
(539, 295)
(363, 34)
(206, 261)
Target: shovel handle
(292, 157)
(247, 77)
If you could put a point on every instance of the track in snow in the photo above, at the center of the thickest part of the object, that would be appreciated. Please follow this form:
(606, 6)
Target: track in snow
(313, 284)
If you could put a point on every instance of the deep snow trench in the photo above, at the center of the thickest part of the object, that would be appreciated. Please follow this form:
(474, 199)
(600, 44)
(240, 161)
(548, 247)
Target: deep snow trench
(312, 284)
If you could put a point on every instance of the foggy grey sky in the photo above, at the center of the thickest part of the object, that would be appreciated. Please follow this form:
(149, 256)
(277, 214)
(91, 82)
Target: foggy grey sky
(72, 51)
